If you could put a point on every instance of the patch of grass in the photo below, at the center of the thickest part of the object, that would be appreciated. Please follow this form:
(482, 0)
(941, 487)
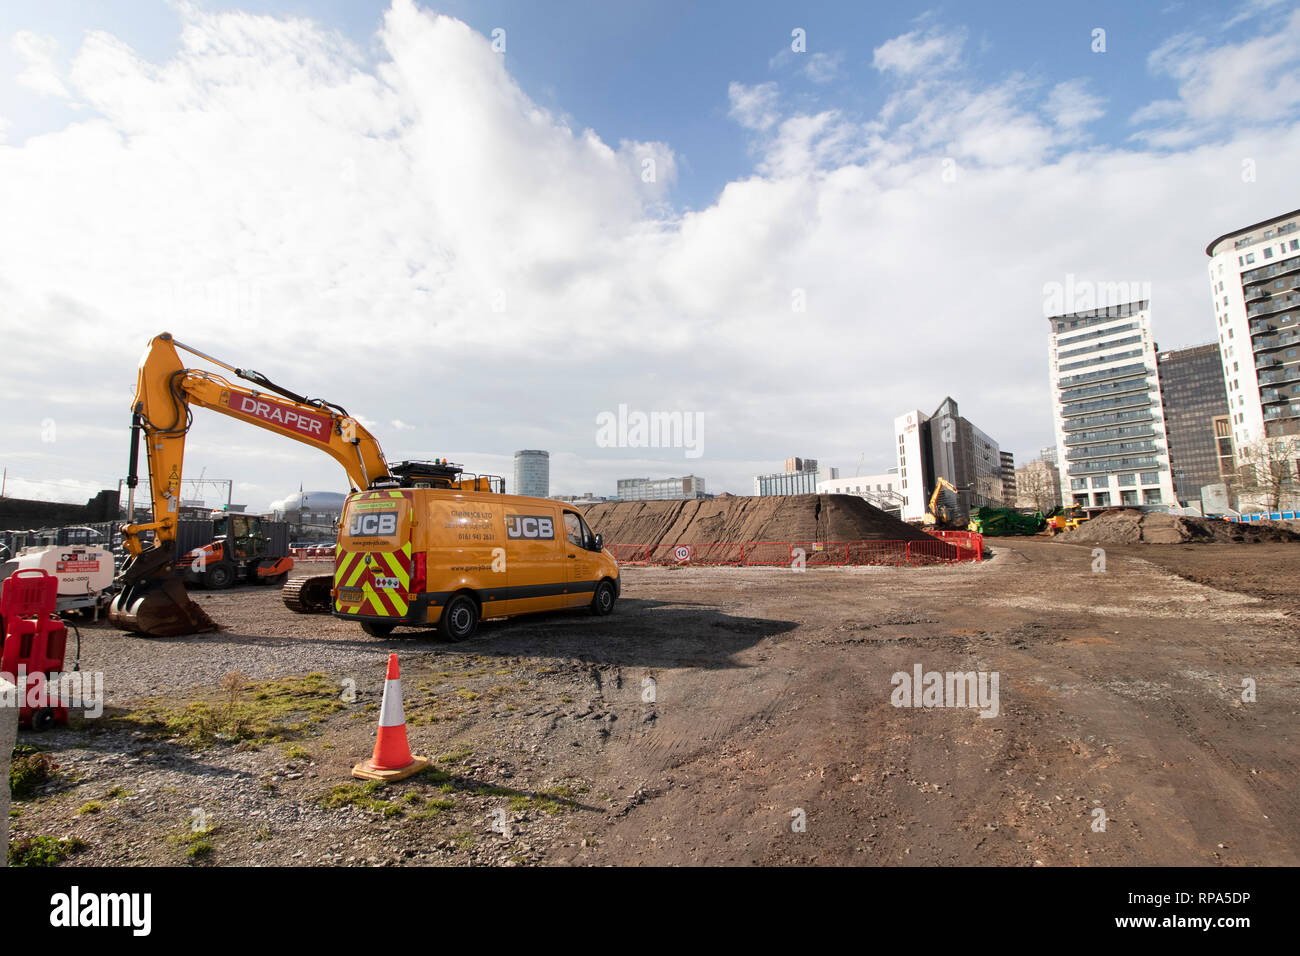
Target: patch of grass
(294, 752)
(191, 837)
(566, 699)
(90, 806)
(461, 753)
(432, 808)
(359, 795)
(112, 793)
(433, 774)
(464, 694)
(199, 850)
(29, 769)
(464, 841)
(242, 712)
(43, 850)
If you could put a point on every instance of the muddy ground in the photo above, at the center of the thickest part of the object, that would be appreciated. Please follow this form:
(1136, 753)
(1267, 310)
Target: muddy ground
(716, 710)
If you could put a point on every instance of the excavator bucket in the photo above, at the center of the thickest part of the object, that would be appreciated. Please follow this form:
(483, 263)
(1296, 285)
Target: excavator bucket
(153, 600)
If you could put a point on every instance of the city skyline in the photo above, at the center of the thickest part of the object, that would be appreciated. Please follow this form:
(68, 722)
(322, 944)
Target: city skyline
(800, 200)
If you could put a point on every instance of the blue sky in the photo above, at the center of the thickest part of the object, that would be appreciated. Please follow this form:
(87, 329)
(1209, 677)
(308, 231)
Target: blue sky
(301, 186)
(655, 70)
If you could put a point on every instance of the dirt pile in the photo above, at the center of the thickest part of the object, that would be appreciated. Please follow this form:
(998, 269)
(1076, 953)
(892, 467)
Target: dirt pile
(1134, 527)
(747, 519)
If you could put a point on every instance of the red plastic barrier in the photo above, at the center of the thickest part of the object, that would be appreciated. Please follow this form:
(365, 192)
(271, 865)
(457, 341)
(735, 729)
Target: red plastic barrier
(34, 639)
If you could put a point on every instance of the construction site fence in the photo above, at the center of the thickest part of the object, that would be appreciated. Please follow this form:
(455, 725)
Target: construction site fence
(315, 552)
(964, 546)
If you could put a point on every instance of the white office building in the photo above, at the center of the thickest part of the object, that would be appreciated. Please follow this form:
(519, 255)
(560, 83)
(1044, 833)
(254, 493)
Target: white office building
(883, 491)
(1110, 426)
(945, 445)
(1255, 280)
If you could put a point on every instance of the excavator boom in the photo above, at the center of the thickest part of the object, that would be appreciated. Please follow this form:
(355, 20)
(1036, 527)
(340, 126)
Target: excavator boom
(153, 600)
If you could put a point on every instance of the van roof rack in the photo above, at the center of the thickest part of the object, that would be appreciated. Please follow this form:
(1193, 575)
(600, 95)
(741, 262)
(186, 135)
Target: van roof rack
(412, 470)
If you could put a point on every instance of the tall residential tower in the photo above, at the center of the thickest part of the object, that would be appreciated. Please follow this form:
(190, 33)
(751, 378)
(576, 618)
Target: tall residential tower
(1255, 280)
(1110, 423)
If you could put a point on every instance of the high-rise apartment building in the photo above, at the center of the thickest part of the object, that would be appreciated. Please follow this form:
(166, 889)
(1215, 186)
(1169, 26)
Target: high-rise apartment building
(1255, 281)
(1107, 412)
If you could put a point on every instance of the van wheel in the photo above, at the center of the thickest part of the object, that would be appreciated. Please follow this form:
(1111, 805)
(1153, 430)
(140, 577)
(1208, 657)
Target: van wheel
(459, 618)
(377, 628)
(602, 602)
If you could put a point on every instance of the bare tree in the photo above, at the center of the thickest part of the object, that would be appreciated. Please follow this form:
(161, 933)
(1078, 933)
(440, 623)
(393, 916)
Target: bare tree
(1268, 470)
(1037, 486)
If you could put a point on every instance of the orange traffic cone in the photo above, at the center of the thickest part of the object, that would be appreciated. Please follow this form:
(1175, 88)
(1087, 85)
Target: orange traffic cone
(392, 759)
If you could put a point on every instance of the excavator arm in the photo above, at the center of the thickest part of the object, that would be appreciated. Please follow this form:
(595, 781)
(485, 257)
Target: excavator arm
(153, 600)
(933, 516)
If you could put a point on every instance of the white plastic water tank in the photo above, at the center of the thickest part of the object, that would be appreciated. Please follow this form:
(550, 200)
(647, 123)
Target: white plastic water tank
(81, 569)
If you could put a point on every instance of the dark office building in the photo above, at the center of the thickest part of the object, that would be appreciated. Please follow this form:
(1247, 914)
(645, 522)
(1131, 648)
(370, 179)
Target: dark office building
(1191, 387)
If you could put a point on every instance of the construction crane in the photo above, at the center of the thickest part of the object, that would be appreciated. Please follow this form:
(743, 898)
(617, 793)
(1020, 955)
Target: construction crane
(153, 599)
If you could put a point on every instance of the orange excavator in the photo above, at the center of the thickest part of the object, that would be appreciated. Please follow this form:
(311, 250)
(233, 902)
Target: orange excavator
(153, 600)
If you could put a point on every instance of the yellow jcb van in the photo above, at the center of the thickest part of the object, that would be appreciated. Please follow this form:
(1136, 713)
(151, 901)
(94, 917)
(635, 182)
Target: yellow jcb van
(450, 556)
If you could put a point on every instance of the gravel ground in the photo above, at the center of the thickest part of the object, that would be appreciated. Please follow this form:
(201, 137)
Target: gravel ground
(710, 710)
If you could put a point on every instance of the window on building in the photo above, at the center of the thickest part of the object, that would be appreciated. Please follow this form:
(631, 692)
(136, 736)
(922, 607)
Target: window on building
(1250, 258)
(1129, 479)
(1268, 252)
(1101, 499)
(1151, 496)
(1150, 478)
(1128, 497)
(1081, 500)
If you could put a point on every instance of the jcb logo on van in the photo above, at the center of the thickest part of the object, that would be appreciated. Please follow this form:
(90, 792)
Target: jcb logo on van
(378, 524)
(530, 526)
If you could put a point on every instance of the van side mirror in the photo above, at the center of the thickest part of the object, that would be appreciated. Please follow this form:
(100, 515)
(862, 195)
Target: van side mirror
(600, 543)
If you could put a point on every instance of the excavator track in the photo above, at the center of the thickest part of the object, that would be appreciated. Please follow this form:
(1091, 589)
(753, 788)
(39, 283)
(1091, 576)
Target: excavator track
(308, 593)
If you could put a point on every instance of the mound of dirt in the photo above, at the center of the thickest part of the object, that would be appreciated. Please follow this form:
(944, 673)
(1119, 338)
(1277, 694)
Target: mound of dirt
(1134, 527)
(747, 519)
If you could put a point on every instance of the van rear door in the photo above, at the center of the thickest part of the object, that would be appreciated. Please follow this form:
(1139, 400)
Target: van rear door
(372, 565)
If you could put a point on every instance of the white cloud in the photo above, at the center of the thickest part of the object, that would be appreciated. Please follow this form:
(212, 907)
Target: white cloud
(1224, 85)
(37, 54)
(754, 107)
(1072, 107)
(929, 50)
(823, 67)
(419, 241)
